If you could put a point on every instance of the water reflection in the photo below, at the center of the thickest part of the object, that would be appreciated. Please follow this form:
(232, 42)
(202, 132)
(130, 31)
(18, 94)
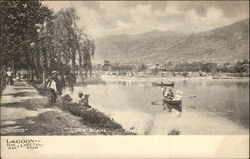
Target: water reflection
(127, 83)
(223, 103)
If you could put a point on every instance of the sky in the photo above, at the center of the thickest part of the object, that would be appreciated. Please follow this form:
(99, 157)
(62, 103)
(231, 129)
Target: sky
(101, 18)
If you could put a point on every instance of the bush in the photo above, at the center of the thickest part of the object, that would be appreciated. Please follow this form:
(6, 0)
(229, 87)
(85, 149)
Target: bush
(174, 132)
(90, 116)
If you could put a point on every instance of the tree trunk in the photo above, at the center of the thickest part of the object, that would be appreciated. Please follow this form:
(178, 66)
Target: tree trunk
(81, 73)
(32, 74)
(12, 64)
(73, 60)
(86, 70)
(32, 66)
(44, 78)
(90, 69)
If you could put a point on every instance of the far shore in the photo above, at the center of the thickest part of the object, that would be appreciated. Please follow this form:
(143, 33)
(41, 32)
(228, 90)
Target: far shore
(171, 78)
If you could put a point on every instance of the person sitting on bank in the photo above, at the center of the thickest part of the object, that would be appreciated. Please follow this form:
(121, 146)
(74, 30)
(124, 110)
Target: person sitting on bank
(79, 99)
(83, 101)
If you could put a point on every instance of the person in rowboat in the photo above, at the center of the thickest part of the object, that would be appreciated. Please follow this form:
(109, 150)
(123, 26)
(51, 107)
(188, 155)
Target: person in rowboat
(178, 108)
(164, 90)
(178, 95)
(167, 95)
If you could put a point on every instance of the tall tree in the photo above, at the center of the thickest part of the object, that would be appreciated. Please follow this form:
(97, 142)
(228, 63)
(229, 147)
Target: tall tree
(72, 43)
(19, 25)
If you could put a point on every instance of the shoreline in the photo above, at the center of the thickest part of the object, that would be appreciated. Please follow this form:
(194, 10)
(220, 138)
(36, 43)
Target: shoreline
(103, 126)
(153, 79)
(149, 78)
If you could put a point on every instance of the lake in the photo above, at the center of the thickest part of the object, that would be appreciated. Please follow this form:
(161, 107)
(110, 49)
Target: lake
(220, 107)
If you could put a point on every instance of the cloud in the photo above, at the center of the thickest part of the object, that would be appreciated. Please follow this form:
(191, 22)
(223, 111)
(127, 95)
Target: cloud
(100, 18)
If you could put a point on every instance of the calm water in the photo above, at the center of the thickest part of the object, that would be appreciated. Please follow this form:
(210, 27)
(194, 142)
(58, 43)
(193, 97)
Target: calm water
(221, 107)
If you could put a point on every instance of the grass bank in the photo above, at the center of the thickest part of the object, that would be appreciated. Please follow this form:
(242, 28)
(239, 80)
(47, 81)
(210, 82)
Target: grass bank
(91, 117)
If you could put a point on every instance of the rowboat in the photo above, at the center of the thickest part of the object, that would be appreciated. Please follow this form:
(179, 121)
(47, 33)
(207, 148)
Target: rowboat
(163, 84)
(173, 102)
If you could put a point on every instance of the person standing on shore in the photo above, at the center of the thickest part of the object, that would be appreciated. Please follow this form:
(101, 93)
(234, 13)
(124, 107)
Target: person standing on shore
(9, 77)
(72, 81)
(52, 85)
(18, 73)
(60, 83)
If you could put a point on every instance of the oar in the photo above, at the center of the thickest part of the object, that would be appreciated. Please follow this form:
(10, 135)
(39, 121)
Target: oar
(193, 96)
(156, 101)
(153, 102)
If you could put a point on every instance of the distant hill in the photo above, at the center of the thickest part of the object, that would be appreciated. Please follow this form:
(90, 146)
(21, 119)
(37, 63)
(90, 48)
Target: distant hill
(224, 44)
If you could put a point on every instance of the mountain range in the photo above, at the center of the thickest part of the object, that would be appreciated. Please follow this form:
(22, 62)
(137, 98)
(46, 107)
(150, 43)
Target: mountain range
(225, 44)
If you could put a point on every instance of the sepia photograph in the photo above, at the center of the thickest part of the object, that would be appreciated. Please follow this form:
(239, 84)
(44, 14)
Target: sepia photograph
(124, 68)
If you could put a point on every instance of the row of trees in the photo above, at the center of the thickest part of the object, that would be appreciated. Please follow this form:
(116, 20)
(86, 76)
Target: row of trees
(238, 67)
(36, 39)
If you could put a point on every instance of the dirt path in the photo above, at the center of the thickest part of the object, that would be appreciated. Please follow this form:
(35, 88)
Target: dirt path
(25, 112)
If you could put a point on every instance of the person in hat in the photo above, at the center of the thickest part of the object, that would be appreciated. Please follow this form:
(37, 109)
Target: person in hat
(53, 87)
(10, 77)
(59, 81)
(167, 95)
(164, 94)
(178, 95)
(178, 107)
(170, 94)
(18, 73)
(79, 99)
(54, 72)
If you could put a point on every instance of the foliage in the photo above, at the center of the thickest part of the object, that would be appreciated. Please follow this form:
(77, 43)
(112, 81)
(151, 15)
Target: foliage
(174, 132)
(90, 116)
(142, 68)
(32, 36)
(61, 43)
(238, 67)
(71, 43)
(20, 21)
